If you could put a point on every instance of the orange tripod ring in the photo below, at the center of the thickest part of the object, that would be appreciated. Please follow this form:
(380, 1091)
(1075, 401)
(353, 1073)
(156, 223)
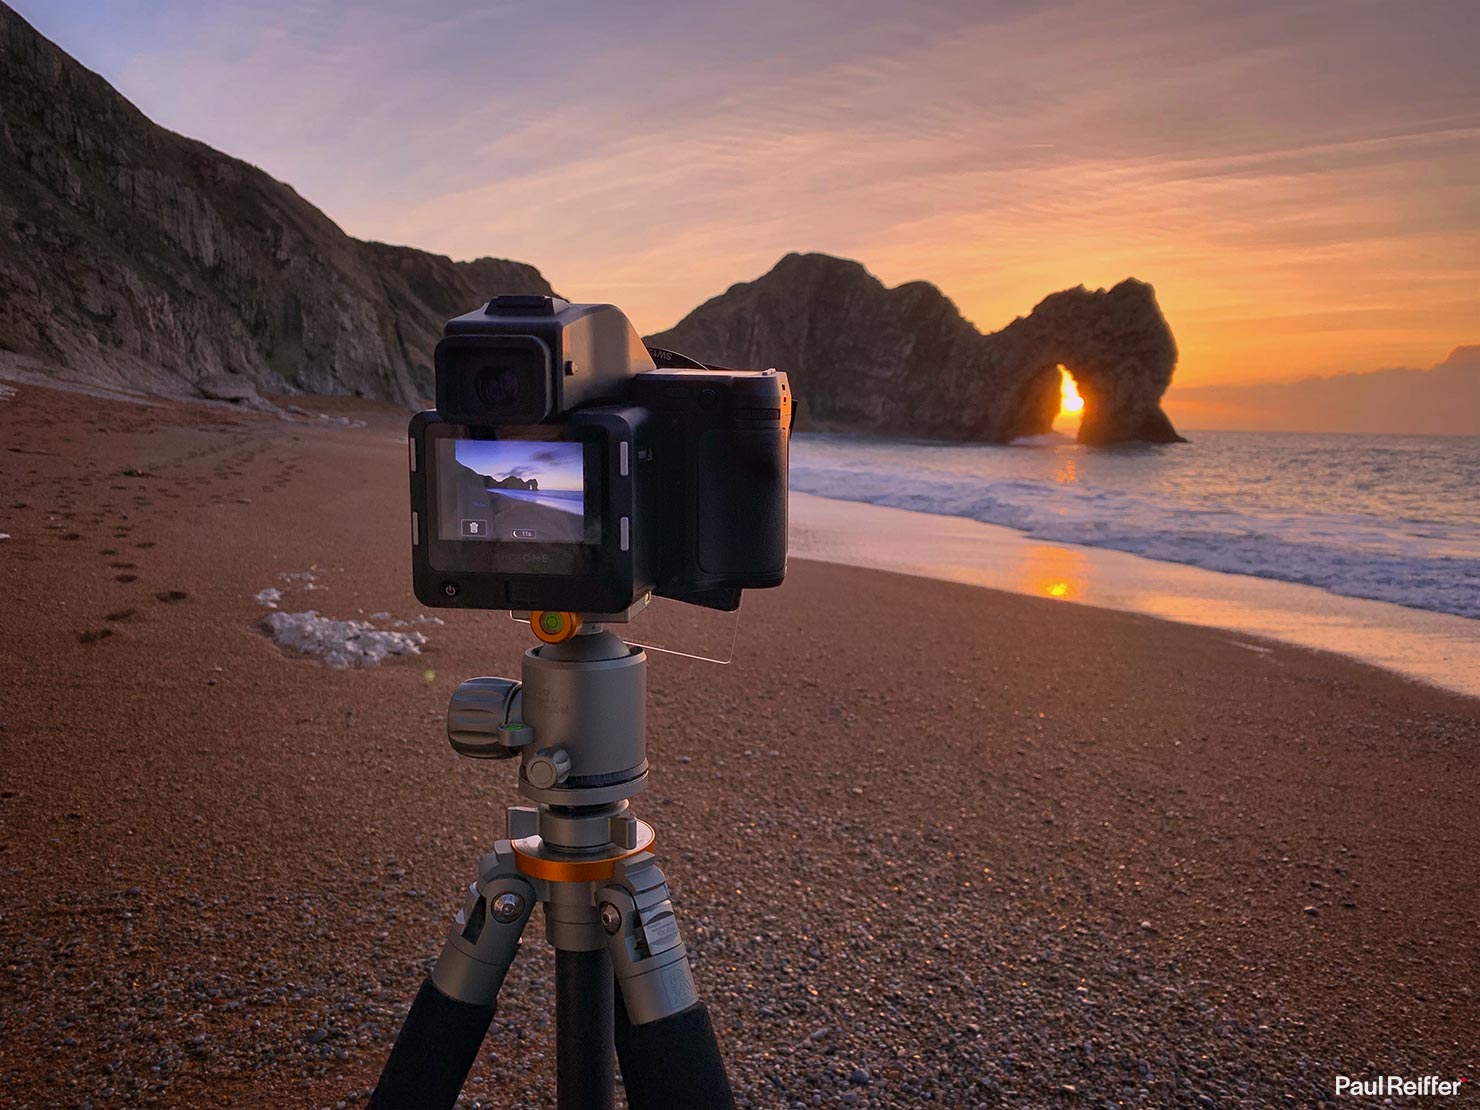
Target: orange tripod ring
(535, 859)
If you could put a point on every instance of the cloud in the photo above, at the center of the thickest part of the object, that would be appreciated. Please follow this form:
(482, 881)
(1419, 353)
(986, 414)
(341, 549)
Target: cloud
(1443, 400)
(1258, 163)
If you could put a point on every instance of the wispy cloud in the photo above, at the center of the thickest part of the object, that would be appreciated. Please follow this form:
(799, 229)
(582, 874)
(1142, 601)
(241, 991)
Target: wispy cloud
(1301, 183)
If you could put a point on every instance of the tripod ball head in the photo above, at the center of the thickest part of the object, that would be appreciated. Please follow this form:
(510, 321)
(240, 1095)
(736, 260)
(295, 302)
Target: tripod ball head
(584, 698)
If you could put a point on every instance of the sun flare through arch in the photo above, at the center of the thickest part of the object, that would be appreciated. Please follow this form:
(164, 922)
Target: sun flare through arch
(1071, 404)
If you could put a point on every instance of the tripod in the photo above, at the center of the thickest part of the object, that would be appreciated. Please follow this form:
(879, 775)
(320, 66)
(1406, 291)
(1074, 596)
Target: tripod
(577, 723)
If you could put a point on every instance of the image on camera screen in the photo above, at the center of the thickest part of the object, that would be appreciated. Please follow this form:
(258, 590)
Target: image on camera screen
(513, 490)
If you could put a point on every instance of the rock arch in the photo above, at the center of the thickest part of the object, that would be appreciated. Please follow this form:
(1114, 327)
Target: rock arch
(904, 361)
(1118, 349)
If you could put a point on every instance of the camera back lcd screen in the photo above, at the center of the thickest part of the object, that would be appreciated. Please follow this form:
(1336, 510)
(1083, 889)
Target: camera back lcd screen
(519, 491)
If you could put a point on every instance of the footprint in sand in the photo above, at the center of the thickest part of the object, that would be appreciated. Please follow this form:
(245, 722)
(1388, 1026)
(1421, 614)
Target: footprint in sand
(169, 597)
(93, 635)
(121, 615)
(125, 578)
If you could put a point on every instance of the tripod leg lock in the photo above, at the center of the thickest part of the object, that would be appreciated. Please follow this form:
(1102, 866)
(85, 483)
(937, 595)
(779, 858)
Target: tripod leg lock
(647, 954)
(484, 938)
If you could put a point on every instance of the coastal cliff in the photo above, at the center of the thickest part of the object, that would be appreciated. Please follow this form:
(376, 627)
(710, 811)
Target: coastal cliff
(903, 361)
(135, 258)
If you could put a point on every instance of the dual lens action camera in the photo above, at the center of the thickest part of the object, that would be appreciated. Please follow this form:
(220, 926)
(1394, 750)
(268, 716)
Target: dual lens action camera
(569, 467)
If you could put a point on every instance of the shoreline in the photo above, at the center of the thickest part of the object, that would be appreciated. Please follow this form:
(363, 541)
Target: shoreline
(1436, 649)
(981, 846)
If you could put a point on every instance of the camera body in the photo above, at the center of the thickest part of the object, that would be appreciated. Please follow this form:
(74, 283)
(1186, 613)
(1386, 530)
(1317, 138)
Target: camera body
(564, 470)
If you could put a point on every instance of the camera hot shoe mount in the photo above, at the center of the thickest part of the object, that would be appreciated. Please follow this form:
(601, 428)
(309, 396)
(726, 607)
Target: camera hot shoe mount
(577, 724)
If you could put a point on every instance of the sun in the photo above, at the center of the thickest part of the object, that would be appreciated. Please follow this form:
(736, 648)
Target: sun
(1070, 402)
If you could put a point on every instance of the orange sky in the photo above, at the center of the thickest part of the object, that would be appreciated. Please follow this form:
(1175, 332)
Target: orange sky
(1301, 184)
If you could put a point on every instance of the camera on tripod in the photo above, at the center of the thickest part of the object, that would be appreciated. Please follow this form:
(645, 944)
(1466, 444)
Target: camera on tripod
(569, 467)
(571, 471)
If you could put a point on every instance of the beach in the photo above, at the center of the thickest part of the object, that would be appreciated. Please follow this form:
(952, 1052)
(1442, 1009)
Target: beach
(930, 842)
(1437, 648)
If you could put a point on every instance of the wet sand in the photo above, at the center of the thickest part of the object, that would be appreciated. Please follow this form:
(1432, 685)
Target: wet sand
(1437, 648)
(930, 843)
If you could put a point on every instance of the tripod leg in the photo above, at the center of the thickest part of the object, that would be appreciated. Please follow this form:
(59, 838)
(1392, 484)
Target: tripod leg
(673, 1061)
(664, 1037)
(583, 1031)
(451, 1013)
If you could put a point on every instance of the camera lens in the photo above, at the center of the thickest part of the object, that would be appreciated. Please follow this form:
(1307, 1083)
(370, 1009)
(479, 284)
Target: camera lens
(497, 385)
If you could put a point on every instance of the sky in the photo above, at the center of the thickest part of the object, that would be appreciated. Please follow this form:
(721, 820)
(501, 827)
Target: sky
(1300, 182)
(556, 466)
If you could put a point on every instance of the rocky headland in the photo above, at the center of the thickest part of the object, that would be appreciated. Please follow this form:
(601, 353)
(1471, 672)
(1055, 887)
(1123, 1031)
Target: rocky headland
(904, 361)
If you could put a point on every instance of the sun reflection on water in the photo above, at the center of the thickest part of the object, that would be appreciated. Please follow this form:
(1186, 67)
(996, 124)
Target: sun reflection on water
(1056, 572)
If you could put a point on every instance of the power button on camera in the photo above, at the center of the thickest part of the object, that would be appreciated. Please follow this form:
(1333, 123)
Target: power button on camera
(449, 589)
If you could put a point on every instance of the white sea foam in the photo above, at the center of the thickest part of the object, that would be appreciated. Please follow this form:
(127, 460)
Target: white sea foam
(1047, 439)
(1332, 515)
(340, 643)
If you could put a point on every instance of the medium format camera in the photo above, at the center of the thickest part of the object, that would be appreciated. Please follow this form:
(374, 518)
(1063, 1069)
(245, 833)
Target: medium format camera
(569, 467)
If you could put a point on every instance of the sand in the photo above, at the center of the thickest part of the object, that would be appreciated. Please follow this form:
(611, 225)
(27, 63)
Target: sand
(929, 842)
(1437, 648)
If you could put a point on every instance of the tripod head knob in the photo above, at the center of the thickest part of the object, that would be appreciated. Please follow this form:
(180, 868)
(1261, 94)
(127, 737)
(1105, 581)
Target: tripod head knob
(548, 767)
(483, 719)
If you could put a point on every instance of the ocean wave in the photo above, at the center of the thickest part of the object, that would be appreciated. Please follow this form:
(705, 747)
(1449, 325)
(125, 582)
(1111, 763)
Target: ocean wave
(1422, 565)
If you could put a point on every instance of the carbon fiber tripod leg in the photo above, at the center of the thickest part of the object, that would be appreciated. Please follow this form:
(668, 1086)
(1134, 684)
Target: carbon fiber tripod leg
(673, 1062)
(451, 1013)
(665, 1040)
(584, 1076)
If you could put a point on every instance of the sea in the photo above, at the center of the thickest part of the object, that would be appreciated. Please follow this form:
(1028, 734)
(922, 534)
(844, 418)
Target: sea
(1394, 519)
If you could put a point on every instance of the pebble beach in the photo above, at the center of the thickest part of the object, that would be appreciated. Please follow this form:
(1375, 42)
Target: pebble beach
(931, 844)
